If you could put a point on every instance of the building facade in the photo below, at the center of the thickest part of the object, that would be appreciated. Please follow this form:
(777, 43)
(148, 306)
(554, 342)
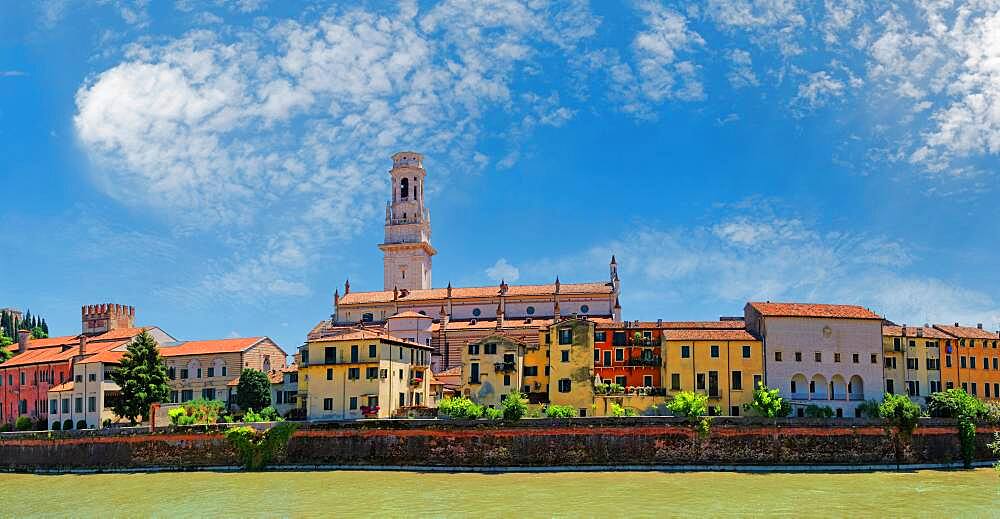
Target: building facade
(971, 360)
(210, 370)
(570, 363)
(629, 353)
(723, 364)
(912, 360)
(822, 355)
(492, 368)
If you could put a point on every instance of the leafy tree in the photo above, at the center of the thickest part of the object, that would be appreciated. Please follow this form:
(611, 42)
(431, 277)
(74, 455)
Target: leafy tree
(142, 378)
(513, 406)
(956, 403)
(870, 409)
(900, 412)
(619, 411)
(560, 411)
(689, 404)
(5, 342)
(254, 390)
(38, 333)
(766, 402)
(23, 423)
(460, 408)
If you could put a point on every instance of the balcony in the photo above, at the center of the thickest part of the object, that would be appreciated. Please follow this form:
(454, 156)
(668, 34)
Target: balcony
(505, 367)
(645, 360)
(416, 381)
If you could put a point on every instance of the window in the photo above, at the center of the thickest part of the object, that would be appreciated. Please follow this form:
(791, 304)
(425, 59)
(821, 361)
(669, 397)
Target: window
(855, 358)
(890, 362)
(65, 405)
(836, 357)
(734, 410)
(647, 380)
(490, 349)
(531, 371)
(330, 355)
(685, 352)
(53, 406)
(566, 336)
(974, 392)
(211, 372)
(962, 362)
(474, 373)
(354, 353)
(367, 317)
(530, 310)
(947, 361)
(584, 309)
(913, 388)
(818, 356)
(564, 355)
(173, 397)
(777, 356)
(715, 351)
(600, 336)
(353, 402)
(476, 312)
(619, 354)
(757, 381)
(371, 373)
(874, 358)
(597, 356)
(306, 358)
(737, 380)
(972, 363)
(328, 404)
(92, 377)
(986, 363)
(798, 356)
(371, 350)
(208, 393)
(473, 349)
(353, 373)
(79, 378)
(896, 343)
(996, 362)
(199, 373)
(675, 381)
(618, 339)
(620, 380)
(565, 385)
(890, 386)
(187, 395)
(746, 352)
(912, 364)
(812, 386)
(329, 373)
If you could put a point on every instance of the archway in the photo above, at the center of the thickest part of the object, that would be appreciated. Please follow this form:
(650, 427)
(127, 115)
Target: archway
(818, 388)
(856, 388)
(838, 388)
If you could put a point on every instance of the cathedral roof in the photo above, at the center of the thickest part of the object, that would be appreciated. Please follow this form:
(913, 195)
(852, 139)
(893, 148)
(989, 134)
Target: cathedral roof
(386, 296)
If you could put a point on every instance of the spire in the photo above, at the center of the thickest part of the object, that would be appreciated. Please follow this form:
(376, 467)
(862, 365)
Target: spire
(503, 287)
(557, 284)
(395, 293)
(618, 305)
(613, 267)
(449, 289)
(347, 287)
(613, 262)
(336, 297)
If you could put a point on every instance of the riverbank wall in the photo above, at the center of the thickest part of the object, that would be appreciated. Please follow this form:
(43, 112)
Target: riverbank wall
(630, 443)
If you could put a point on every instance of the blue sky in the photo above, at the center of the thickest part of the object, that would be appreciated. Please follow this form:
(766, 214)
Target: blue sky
(222, 165)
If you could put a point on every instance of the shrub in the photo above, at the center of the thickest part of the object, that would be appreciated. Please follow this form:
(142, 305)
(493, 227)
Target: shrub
(5, 427)
(560, 411)
(899, 411)
(513, 406)
(619, 411)
(816, 411)
(23, 423)
(991, 412)
(689, 404)
(766, 402)
(81, 424)
(253, 390)
(256, 448)
(56, 425)
(67, 424)
(106, 423)
(995, 447)
(492, 413)
(870, 409)
(268, 414)
(460, 408)
(956, 403)
(615, 389)
(196, 412)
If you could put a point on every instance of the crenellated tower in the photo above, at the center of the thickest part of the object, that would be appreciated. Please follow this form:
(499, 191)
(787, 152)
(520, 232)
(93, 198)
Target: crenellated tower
(407, 247)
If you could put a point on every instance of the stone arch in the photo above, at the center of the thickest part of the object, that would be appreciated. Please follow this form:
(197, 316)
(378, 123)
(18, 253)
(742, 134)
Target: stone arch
(799, 386)
(838, 388)
(404, 188)
(193, 366)
(220, 367)
(818, 389)
(856, 388)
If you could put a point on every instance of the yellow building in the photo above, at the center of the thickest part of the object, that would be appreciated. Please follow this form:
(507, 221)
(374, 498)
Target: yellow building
(492, 368)
(365, 373)
(570, 363)
(211, 369)
(726, 365)
(912, 360)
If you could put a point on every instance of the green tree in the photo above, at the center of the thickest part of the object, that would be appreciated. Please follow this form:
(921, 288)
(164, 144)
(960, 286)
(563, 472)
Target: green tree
(966, 409)
(899, 411)
(766, 402)
(460, 408)
(38, 333)
(513, 406)
(5, 343)
(142, 378)
(254, 390)
(560, 411)
(694, 407)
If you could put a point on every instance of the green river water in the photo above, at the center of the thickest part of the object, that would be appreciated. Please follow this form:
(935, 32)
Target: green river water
(974, 493)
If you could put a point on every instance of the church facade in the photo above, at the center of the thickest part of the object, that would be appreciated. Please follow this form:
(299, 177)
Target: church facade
(458, 314)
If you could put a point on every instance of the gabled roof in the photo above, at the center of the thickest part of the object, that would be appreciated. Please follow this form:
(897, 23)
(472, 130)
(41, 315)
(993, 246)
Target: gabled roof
(386, 296)
(367, 334)
(106, 357)
(63, 354)
(66, 386)
(498, 335)
(708, 335)
(967, 332)
(73, 340)
(277, 376)
(914, 331)
(769, 309)
(238, 345)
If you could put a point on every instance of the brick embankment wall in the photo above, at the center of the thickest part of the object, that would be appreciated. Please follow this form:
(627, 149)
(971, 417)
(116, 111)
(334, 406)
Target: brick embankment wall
(651, 441)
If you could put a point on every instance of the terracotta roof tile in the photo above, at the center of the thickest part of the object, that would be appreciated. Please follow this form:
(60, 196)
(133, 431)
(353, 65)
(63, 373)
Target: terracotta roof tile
(967, 332)
(277, 376)
(66, 386)
(914, 331)
(71, 340)
(53, 354)
(364, 334)
(176, 349)
(107, 357)
(708, 335)
(769, 309)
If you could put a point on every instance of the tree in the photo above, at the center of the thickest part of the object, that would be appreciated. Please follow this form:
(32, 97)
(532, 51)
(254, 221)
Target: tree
(38, 333)
(899, 411)
(766, 402)
(513, 406)
(142, 378)
(254, 390)
(5, 343)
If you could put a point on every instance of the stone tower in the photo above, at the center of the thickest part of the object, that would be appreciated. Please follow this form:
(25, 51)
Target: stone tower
(98, 319)
(407, 248)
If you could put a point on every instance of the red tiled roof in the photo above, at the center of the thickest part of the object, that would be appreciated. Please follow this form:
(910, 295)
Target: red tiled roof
(450, 377)
(967, 332)
(364, 334)
(72, 340)
(386, 296)
(409, 314)
(52, 354)
(208, 347)
(769, 309)
(914, 331)
(277, 376)
(708, 335)
(106, 357)
(66, 386)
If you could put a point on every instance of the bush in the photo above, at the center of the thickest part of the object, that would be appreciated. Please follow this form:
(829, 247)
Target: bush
(82, 424)
(619, 411)
(900, 412)
(766, 402)
(491, 413)
(106, 423)
(67, 424)
(5, 427)
(57, 425)
(689, 404)
(870, 409)
(815, 411)
(460, 408)
(992, 412)
(196, 412)
(954, 403)
(268, 414)
(560, 411)
(23, 423)
(513, 406)
(257, 448)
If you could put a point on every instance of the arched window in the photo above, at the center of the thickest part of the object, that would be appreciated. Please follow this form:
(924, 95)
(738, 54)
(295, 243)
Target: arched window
(404, 188)
(584, 309)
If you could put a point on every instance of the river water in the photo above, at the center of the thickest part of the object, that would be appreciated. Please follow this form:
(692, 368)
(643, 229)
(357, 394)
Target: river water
(974, 493)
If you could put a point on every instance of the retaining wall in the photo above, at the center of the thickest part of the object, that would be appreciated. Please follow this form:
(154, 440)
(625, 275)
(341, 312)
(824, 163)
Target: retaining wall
(581, 442)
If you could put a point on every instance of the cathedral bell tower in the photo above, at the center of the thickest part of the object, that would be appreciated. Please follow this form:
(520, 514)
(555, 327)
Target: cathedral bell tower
(407, 247)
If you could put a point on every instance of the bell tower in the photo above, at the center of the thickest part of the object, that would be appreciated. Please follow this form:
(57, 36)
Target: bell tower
(407, 247)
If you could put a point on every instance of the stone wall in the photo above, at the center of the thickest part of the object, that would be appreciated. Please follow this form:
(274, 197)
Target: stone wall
(653, 441)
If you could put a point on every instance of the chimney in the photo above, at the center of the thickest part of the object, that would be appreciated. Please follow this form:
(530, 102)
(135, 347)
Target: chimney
(904, 329)
(659, 323)
(956, 325)
(979, 325)
(22, 340)
(83, 345)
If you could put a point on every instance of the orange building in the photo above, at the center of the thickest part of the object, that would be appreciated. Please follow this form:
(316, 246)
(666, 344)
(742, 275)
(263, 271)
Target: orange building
(628, 353)
(971, 360)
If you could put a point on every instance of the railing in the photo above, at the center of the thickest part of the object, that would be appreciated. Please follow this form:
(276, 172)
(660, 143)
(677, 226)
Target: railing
(644, 342)
(654, 361)
(504, 366)
(856, 397)
(416, 381)
(799, 396)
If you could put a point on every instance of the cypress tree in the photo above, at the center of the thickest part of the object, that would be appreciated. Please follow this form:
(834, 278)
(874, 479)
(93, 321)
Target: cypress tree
(142, 377)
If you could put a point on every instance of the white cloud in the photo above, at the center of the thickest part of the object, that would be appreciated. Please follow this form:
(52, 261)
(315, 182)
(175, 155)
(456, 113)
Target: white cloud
(503, 271)
(13, 73)
(741, 69)
(817, 91)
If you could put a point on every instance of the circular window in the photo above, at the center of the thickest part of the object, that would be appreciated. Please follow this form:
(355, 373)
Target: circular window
(423, 312)
(584, 309)
(476, 312)
(531, 310)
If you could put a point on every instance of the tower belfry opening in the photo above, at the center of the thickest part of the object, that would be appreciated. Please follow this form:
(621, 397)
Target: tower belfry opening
(407, 246)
